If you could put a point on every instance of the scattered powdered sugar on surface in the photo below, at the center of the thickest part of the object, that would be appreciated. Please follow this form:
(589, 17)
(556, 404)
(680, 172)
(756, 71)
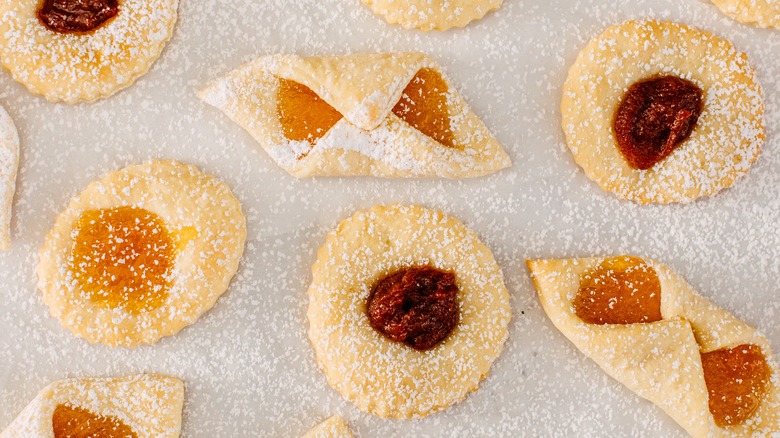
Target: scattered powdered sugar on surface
(247, 364)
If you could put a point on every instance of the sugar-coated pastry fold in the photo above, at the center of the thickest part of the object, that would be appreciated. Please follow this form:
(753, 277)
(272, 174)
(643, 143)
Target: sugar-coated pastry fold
(712, 373)
(380, 114)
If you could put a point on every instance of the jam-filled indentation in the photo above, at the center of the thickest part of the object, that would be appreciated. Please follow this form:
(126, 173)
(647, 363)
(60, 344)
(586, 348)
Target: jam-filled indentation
(123, 258)
(737, 380)
(417, 306)
(621, 290)
(303, 114)
(74, 422)
(655, 117)
(423, 105)
(76, 16)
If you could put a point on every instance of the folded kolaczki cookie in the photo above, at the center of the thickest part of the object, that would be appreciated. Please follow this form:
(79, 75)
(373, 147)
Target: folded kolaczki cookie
(380, 114)
(649, 329)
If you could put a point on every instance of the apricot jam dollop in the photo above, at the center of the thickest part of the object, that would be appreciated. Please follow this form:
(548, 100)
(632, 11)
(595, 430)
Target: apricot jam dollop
(737, 380)
(655, 117)
(76, 16)
(423, 105)
(303, 114)
(417, 306)
(123, 257)
(621, 290)
(75, 422)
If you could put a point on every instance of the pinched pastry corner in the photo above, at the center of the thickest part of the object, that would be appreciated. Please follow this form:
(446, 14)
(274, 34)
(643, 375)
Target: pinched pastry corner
(380, 114)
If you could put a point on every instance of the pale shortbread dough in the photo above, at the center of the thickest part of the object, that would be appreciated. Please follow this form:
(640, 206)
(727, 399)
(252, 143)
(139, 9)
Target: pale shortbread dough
(184, 198)
(762, 13)
(333, 427)
(432, 15)
(659, 361)
(727, 138)
(369, 139)
(9, 164)
(149, 404)
(74, 68)
(388, 378)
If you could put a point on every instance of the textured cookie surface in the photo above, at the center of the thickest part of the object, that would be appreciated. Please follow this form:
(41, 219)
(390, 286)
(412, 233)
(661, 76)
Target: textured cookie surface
(432, 15)
(333, 427)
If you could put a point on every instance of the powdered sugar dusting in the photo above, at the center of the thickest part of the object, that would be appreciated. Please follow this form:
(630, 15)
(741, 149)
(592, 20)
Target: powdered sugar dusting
(248, 365)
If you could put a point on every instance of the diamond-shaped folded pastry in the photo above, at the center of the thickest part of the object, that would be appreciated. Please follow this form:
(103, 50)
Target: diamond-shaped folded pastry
(333, 427)
(385, 114)
(139, 406)
(647, 328)
(9, 163)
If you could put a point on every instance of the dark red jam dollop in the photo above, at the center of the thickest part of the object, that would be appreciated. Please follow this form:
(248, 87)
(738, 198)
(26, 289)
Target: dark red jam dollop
(656, 116)
(417, 306)
(76, 16)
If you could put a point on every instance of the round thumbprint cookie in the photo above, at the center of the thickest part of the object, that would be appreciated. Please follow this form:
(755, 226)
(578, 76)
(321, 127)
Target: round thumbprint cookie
(761, 13)
(661, 112)
(82, 50)
(407, 310)
(141, 253)
(432, 15)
